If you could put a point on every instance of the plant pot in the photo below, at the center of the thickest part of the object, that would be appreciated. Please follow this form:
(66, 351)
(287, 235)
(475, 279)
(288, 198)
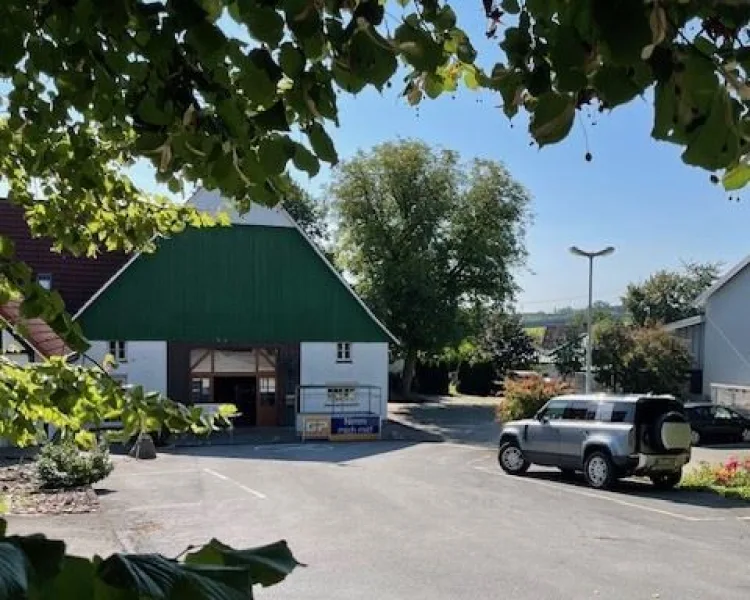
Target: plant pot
(143, 448)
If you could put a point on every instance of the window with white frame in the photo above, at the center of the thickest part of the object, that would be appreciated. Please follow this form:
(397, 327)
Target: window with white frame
(343, 352)
(341, 396)
(45, 280)
(119, 349)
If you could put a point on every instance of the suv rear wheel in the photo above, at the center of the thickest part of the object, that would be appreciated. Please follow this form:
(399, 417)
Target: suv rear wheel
(666, 481)
(599, 470)
(511, 459)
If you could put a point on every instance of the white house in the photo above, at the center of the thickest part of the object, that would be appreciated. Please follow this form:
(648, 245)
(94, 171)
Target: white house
(719, 337)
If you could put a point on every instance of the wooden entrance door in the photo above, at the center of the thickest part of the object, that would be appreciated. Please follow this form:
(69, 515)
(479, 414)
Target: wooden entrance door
(267, 410)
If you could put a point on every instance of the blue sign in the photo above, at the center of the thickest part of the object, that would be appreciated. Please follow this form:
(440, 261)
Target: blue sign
(355, 427)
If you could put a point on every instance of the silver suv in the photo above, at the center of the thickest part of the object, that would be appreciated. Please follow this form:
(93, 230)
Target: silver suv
(605, 436)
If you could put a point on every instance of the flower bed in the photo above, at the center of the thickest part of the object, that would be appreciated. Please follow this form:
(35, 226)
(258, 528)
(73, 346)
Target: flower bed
(732, 479)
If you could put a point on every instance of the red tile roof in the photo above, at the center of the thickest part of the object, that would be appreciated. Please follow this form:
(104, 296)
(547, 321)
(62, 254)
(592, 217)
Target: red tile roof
(35, 332)
(75, 278)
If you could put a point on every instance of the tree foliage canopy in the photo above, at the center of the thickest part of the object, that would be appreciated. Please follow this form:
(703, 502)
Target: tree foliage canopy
(506, 344)
(422, 234)
(639, 359)
(691, 58)
(668, 296)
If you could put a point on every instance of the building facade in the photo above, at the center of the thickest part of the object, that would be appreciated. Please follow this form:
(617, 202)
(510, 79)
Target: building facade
(251, 314)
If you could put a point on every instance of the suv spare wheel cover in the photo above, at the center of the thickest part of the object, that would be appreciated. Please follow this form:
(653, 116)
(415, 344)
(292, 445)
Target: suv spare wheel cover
(673, 431)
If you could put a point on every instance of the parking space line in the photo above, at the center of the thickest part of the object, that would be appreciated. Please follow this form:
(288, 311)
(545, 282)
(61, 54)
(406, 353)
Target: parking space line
(249, 490)
(599, 496)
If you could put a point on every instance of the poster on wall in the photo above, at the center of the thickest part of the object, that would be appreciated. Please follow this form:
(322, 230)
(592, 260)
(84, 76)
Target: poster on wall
(316, 427)
(362, 427)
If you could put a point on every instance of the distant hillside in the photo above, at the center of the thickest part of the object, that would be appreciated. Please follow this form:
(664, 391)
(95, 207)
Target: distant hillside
(548, 329)
(541, 319)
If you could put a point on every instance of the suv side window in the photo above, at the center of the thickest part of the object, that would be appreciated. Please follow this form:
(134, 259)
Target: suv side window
(721, 413)
(577, 410)
(555, 409)
(615, 412)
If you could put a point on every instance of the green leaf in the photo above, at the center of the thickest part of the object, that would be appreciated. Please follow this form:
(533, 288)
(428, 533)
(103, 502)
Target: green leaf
(321, 143)
(736, 177)
(552, 118)
(7, 247)
(417, 46)
(43, 555)
(154, 112)
(268, 565)
(305, 160)
(291, 59)
(207, 38)
(433, 84)
(715, 142)
(158, 578)
(445, 19)
(371, 58)
(273, 119)
(263, 22)
(615, 85)
(14, 581)
(511, 6)
(75, 580)
(274, 152)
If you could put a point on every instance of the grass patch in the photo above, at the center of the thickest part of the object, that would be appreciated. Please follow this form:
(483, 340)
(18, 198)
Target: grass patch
(731, 480)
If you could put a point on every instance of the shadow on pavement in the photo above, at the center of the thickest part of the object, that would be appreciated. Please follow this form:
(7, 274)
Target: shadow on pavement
(461, 422)
(640, 488)
(326, 452)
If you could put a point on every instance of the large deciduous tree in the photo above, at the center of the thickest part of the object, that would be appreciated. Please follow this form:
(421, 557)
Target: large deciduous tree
(421, 234)
(668, 296)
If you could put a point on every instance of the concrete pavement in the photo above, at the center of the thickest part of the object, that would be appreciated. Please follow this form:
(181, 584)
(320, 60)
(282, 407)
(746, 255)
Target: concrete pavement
(425, 521)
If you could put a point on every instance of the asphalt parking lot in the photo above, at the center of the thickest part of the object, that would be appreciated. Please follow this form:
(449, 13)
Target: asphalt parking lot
(393, 520)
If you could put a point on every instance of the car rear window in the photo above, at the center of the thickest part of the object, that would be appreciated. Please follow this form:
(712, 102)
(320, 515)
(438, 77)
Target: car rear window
(649, 409)
(615, 412)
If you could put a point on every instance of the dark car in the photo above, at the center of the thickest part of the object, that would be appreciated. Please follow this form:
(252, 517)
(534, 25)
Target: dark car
(718, 424)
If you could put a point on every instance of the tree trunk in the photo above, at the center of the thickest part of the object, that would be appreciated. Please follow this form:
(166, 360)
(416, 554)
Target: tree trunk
(407, 377)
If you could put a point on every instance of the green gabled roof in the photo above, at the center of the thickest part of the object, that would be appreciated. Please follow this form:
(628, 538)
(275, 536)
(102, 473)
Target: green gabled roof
(240, 284)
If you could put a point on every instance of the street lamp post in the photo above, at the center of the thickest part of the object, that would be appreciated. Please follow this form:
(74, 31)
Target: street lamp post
(591, 256)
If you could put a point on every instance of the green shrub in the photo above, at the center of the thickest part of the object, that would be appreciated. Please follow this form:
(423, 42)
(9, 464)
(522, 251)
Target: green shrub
(63, 465)
(524, 397)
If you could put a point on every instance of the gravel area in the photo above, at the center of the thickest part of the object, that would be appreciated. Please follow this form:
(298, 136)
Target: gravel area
(22, 495)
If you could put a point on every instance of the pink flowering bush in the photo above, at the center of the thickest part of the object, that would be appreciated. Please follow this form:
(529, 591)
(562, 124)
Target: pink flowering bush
(731, 479)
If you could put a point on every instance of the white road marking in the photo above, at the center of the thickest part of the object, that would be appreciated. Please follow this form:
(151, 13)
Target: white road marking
(599, 496)
(249, 490)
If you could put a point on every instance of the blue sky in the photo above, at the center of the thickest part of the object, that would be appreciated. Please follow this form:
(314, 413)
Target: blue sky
(636, 194)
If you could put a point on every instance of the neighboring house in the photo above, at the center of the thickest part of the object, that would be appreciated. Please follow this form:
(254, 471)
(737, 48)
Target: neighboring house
(719, 338)
(27, 340)
(251, 314)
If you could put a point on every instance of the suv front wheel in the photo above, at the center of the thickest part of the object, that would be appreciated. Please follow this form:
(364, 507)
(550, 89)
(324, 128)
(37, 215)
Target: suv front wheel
(599, 470)
(511, 459)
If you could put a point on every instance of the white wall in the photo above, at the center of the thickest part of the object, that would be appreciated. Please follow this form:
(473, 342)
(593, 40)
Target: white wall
(726, 334)
(146, 364)
(369, 366)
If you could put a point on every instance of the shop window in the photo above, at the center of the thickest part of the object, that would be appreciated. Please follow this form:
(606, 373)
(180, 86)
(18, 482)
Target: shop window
(200, 389)
(343, 352)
